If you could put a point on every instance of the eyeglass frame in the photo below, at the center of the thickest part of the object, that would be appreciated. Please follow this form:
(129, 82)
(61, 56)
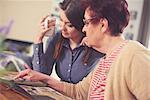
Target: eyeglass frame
(87, 21)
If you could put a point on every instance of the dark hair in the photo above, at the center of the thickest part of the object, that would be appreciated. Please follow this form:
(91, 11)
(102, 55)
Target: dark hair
(115, 11)
(75, 14)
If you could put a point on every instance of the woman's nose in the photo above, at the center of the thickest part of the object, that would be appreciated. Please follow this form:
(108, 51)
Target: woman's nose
(83, 30)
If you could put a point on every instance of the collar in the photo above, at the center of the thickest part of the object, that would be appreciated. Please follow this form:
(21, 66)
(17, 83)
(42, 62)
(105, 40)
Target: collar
(67, 44)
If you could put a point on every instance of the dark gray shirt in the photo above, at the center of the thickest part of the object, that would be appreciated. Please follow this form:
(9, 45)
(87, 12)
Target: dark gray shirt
(69, 67)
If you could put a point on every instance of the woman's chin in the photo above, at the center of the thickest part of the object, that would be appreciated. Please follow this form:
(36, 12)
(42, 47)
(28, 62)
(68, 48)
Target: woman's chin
(65, 35)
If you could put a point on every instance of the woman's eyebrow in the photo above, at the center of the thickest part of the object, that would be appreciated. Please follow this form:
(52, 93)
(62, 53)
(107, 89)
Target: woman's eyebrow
(65, 21)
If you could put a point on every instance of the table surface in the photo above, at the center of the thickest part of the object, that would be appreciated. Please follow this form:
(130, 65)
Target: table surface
(7, 93)
(32, 93)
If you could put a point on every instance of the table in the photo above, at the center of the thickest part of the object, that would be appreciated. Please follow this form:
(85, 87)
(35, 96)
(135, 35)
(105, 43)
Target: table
(9, 94)
(9, 91)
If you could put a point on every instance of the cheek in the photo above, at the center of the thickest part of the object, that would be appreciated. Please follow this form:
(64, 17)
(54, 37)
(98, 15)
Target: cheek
(72, 31)
(88, 32)
(92, 37)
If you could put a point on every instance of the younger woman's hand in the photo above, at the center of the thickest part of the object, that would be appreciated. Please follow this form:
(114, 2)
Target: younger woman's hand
(45, 28)
(84, 42)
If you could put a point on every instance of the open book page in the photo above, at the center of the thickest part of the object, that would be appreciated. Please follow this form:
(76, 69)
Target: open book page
(45, 91)
(37, 89)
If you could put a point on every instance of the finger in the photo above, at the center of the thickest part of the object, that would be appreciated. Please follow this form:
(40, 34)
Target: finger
(42, 24)
(87, 43)
(17, 77)
(42, 27)
(27, 66)
(83, 42)
(51, 23)
(42, 20)
(53, 20)
(28, 78)
(46, 30)
(22, 74)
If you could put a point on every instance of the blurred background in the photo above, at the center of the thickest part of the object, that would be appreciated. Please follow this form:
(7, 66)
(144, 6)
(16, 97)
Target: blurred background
(19, 20)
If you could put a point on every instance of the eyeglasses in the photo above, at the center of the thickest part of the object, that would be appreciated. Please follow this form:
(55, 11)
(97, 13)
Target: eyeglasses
(87, 21)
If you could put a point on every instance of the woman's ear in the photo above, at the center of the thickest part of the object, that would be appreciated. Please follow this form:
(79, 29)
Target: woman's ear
(104, 25)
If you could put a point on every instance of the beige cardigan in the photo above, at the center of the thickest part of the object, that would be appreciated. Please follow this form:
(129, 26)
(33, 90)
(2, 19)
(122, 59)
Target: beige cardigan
(127, 79)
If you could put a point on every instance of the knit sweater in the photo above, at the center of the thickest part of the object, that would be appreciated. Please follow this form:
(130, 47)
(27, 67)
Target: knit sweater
(127, 79)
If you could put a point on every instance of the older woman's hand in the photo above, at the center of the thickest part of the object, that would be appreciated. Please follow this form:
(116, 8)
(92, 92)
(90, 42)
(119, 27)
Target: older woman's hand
(32, 75)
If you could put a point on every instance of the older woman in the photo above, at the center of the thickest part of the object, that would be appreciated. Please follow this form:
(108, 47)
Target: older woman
(123, 73)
